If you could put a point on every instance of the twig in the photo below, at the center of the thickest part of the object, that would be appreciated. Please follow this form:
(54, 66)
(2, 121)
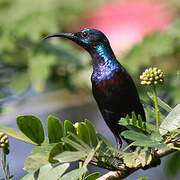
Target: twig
(4, 165)
(126, 171)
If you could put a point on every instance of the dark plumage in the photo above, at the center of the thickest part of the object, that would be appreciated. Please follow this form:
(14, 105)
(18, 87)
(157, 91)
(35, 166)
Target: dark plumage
(112, 86)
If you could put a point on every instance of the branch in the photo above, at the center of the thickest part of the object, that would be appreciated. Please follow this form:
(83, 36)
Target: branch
(126, 171)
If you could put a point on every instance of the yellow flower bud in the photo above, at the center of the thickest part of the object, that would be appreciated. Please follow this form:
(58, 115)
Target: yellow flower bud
(1, 134)
(151, 76)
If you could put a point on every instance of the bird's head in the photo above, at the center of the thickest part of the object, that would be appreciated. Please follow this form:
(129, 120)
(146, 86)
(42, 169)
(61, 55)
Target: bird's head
(87, 38)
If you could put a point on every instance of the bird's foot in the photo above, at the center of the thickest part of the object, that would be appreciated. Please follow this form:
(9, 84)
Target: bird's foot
(118, 164)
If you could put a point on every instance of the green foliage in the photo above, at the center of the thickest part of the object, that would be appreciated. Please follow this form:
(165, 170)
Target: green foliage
(142, 134)
(153, 46)
(140, 139)
(92, 176)
(39, 70)
(77, 143)
(80, 142)
(68, 156)
(92, 133)
(21, 39)
(32, 127)
(83, 132)
(68, 127)
(55, 129)
(39, 157)
(46, 172)
(57, 149)
(161, 50)
(16, 134)
(143, 178)
(74, 174)
(133, 122)
(38, 61)
(173, 165)
(139, 157)
(174, 118)
(24, 84)
(6, 76)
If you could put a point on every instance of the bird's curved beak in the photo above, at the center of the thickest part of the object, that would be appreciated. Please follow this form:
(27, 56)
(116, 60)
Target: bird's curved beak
(65, 35)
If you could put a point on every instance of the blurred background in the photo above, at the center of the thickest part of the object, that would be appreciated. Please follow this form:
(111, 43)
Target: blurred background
(53, 77)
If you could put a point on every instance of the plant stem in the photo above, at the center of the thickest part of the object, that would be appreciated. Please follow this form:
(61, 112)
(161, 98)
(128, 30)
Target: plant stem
(80, 166)
(156, 107)
(3, 161)
(128, 146)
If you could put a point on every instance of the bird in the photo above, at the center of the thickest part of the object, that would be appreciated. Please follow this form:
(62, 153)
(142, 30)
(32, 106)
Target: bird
(112, 86)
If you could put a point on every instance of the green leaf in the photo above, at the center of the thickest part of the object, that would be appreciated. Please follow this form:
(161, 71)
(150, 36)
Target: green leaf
(146, 143)
(29, 176)
(171, 122)
(57, 149)
(55, 129)
(133, 135)
(16, 134)
(82, 143)
(134, 119)
(130, 159)
(141, 139)
(47, 172)
(39, 157)
(145, 156)
(69, 127)
(134, 123)
(156, 136)
(68, 156)
(83, 132)
(140, 121)
(162, 146)
(173, 165)
(89, 158)
(161, 103)
(150, 127)
(141, 156)
(77, 146)
(127, 118)
(92, 133)
(124, 121)
(93, 176)
(32, 127)
(75, 174)
(77, 143)
(68, 146)
(143, 178)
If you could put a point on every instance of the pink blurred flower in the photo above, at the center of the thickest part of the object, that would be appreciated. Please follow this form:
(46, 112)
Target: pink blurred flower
(125, 23)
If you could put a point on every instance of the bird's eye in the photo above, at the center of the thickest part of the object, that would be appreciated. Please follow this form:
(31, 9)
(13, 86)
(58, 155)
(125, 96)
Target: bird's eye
(84, 34)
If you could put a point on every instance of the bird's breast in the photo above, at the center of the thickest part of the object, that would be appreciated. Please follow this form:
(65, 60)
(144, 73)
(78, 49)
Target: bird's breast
(115, 79)
(117, 94)
(110, 92)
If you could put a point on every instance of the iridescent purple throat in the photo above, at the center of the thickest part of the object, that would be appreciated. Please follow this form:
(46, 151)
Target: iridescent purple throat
(104, 64)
